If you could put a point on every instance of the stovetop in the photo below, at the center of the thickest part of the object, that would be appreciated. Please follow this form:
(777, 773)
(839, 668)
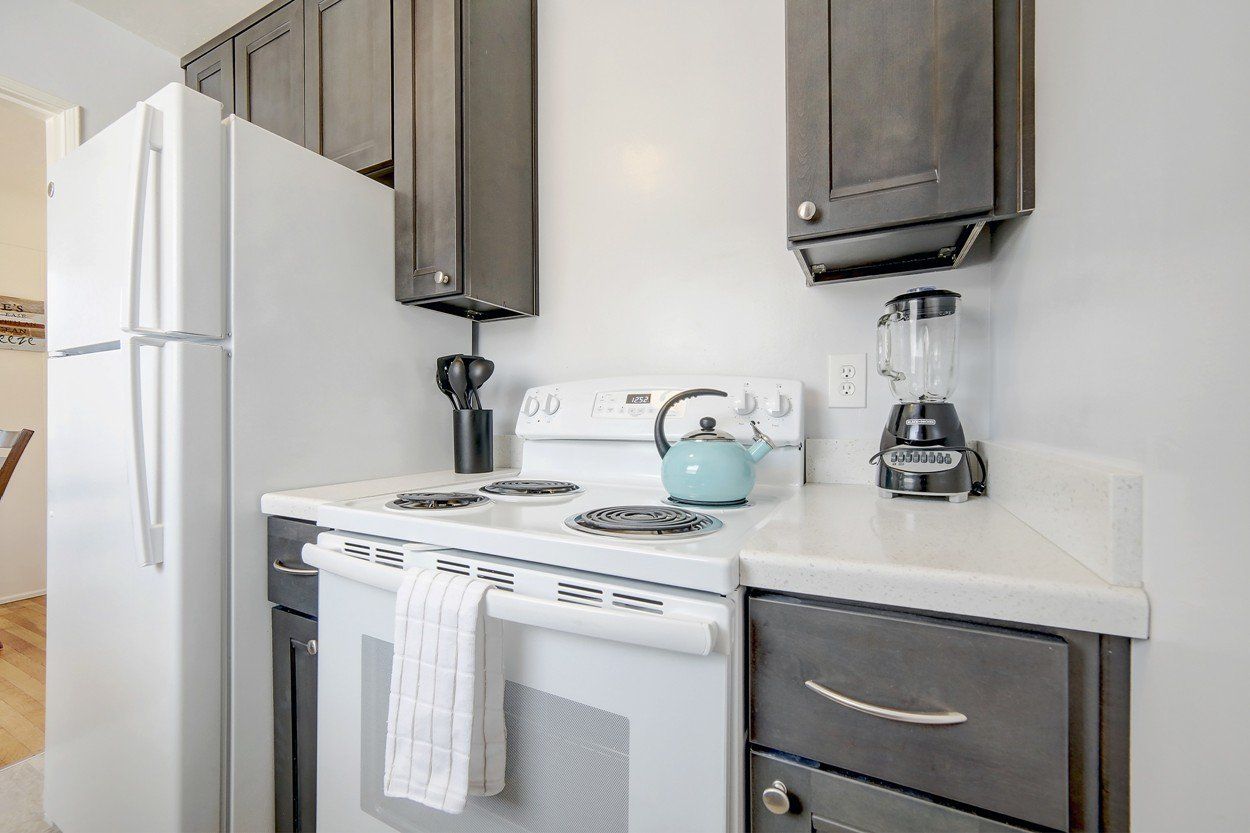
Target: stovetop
(594, 439)
(540, 530)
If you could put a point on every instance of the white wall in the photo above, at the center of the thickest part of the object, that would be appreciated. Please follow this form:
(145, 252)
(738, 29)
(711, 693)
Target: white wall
(661, 162)
(1119, 313)
(65, 50)
(23, 374)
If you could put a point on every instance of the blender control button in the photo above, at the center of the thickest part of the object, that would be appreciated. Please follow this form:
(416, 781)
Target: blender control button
(930, 457)
(909, 456)
(946, 458)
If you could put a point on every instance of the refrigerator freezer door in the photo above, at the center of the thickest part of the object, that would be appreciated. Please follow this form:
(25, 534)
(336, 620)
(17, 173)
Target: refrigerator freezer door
(136, 225)
(135, 654)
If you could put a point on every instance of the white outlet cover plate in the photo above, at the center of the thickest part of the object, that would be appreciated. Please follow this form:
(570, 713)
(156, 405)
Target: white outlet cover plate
(848, 380)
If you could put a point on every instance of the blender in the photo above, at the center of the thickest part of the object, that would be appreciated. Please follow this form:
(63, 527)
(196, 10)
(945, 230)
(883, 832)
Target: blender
(923, 450)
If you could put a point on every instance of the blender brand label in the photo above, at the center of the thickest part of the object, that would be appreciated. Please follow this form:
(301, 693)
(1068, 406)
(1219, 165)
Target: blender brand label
(921, 421)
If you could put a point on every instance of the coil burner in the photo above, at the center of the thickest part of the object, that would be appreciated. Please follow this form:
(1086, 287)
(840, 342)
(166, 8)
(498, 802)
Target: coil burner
(531, 488)
(643, 522)
(437, 501)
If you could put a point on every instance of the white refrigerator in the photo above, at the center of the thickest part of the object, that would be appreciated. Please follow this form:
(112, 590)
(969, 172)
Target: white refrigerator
(221, 324)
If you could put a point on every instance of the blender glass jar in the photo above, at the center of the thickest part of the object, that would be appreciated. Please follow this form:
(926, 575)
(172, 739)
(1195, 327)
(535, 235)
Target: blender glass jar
(917, 340)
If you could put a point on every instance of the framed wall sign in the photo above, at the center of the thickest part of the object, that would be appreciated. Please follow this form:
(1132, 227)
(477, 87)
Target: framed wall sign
(22, 324)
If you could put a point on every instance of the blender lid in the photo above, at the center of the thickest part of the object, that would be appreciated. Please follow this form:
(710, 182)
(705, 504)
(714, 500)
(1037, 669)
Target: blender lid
(925, 301)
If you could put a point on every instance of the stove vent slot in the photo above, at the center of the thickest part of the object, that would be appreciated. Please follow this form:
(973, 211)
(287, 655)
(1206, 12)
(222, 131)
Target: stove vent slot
(502, 579)
(391, 558)
(579, 594)
(357, 550)
(453, 567)
(640, 603)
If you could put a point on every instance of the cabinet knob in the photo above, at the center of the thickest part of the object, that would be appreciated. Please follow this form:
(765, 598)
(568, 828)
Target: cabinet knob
(442, 277)
(807, 210)
(777, 799)
(311, 647)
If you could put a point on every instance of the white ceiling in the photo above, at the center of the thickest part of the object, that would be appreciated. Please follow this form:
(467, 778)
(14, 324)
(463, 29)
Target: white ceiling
(176, 25)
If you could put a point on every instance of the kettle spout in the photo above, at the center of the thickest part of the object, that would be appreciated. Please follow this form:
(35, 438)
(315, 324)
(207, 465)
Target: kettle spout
(763, 444)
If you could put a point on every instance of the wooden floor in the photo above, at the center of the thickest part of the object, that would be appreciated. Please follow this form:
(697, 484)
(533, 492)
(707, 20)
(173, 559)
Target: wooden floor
(22, 633)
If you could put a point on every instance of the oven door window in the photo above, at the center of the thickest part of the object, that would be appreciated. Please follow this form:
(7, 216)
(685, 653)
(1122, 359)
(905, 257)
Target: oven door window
(567, 769)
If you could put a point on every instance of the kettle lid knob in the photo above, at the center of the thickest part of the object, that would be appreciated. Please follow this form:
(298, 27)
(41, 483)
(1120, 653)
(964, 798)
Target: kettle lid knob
(707, 423)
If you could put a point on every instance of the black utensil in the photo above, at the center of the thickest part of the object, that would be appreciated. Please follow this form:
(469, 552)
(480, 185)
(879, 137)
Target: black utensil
(479, 371)
(440, 379)
(458, 379)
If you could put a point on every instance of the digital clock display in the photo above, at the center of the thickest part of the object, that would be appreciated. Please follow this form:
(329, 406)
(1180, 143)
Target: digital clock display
(637, 399)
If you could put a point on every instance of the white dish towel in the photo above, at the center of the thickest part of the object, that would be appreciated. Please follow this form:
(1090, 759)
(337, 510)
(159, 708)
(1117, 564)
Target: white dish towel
(445, 735)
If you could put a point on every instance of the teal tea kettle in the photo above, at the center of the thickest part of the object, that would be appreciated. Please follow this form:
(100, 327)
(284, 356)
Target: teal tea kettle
(707, 466)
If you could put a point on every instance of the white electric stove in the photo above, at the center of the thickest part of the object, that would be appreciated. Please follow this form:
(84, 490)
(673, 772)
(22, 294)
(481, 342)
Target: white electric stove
(623, 657)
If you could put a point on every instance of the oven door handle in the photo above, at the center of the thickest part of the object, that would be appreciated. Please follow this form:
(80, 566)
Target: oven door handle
(664, 631)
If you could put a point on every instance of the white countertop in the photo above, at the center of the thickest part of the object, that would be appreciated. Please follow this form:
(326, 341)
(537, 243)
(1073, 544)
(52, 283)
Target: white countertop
(973, 559)
(843, 542)
(303, 503)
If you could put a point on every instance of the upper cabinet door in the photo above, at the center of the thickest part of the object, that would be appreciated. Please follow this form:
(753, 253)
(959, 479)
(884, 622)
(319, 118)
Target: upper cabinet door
(213, 74)
(890, 111)
(347, 57)
(269, 72)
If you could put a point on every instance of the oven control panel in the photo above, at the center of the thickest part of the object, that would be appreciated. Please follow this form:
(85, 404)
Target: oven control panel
(625, 408)
(635, 404)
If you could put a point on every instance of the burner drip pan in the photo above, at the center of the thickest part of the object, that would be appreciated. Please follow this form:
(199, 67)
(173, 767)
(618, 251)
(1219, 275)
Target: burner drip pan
(644, 522)
(437, 501)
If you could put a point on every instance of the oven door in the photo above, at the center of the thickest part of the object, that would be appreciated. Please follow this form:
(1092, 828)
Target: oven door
(603, 734)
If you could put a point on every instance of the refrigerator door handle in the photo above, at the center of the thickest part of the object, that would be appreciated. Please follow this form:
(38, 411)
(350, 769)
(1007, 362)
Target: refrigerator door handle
(147, 141)
(149, 529)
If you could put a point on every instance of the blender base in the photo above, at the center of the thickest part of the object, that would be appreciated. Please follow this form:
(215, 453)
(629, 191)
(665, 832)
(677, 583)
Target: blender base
(919, 456)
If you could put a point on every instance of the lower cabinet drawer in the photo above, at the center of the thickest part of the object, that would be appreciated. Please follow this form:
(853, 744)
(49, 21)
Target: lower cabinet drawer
(292, 583)
(821, 802)
(975, 714)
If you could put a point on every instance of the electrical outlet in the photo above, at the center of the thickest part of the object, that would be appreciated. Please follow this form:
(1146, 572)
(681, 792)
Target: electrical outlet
(848, 380)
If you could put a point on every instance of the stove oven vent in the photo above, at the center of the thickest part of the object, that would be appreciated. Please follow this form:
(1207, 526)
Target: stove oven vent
(378, 554)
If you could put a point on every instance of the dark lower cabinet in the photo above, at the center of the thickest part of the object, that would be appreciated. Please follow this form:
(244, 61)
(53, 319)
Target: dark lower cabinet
(293, 587)
(789, 797)
(875, 719)
(295, 721)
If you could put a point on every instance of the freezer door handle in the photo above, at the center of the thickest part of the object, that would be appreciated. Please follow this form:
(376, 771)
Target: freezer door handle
(147, 141)
(149, 529)
(669, 633)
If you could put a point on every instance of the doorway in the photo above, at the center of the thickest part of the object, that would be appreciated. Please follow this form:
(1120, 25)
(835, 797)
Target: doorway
(34, 128)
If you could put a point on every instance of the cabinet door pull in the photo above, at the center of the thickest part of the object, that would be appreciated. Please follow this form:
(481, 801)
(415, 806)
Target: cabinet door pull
(295, 571)
(930, 718)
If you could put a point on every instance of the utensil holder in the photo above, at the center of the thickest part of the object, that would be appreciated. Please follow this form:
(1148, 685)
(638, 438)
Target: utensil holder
(472, 435)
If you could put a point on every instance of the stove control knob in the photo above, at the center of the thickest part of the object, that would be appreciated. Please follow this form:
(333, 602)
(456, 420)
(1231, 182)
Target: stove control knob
(551, 404)
(744, 403)
(777, 406)
(530, 406)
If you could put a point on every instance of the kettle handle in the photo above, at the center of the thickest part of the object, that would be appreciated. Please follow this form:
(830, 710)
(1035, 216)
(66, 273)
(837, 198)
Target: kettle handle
(661, 444)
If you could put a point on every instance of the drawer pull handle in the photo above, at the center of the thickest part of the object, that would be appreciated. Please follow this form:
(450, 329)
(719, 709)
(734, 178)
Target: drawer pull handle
(295, 571)
(930, 718)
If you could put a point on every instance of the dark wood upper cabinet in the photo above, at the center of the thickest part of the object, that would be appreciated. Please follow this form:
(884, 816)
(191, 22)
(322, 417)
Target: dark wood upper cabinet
(466, 225)
(433, 97)
(213, 74)
(909, 126)
(269, 72)
(347, 81)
